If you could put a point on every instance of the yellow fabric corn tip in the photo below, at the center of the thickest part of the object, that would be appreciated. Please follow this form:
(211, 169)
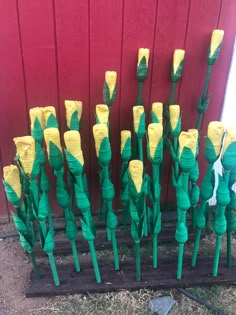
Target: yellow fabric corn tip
(124, 135)
(47, 111)
(71, 107)
(136, 173)
(25, 148)
(216, 39)
(178, 57)
(188, 140)
(11, 176)
(215, 133)
(102, 113)
(100, 131)
(143, 52)
(174, 111)
(230, 136)
(157, 109)
(137, 113)
(110, 78)
(36, 112)
(53, 135)
(73, 144)
(194, 132)
(155, 133)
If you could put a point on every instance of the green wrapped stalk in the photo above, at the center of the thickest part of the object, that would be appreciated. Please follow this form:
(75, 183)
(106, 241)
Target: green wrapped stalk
(137, 207)
(103, 152)
(186, 154)
(125, 156)
(75, 160)
(212, 57)
(141, 74)
(155, 156)
(22, 220)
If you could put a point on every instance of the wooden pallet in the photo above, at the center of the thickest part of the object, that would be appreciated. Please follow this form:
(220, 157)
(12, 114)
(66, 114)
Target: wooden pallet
(163, 277)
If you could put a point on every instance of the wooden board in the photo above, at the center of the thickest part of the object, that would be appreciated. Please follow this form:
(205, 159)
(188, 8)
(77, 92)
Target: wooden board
(161, 278)
(62, 245)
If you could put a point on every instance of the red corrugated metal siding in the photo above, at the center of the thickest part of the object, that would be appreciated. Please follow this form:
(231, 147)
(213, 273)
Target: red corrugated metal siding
(55, 50)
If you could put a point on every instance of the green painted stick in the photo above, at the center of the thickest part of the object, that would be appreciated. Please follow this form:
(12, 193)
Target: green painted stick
(200, 114)
(217, 255)
(75, 255)
(180, 261)
(140, 149)
(125, 214)
(115, 252)
(140, 91)
(229, 249)
(34, 264)
(94, 260)
(155, 250)
(137, 259)
(196, 246)
(54, 269)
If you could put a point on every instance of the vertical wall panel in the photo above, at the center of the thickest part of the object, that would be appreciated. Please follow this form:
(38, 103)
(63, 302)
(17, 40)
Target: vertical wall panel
(4, 212)
(105, 54)
(139, 27)
(72, 37)
(39, 56)
(13, 118)
(203, 18)
(171, 28)
(220, 71)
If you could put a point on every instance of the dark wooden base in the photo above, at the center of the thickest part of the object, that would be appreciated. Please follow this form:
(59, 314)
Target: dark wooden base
(163, 277)
(62, 245)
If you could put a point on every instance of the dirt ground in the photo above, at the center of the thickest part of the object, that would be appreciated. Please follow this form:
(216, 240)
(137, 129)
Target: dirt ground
(15, 269)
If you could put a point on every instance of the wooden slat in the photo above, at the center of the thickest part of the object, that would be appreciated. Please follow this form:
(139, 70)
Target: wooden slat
(40, 64)
(220, 72)
(13, 118)
(171, 28)
(105, 54)
(203, 18)
(73, 63)
(162, 278)
(62, 245)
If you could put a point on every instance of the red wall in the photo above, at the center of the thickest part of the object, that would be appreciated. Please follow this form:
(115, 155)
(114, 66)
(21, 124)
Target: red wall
(53, 50)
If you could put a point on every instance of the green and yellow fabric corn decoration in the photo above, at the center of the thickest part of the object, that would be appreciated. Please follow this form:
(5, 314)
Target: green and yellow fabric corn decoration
(73, 114)
(103, 152)
(102, 114)
(228, 161)
(139, 127)
(74, 156)
(142, 67)
(55, 156)
(215, 46)
(155, 155)
(13, 189)
(213, 145)
(25, 149)
(12, 184)
(212, 57)
(177, 66)
(49, 117)
(54, 149)
(187, 152)
(36, 123)
(157, 112)
(110, 88)
(137, 207)
(125, 151)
